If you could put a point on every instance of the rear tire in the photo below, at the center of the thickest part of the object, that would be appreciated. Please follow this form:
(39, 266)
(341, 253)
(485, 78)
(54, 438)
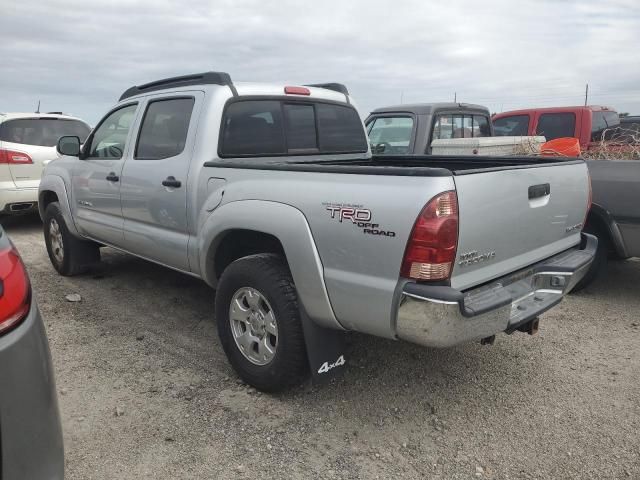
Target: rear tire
(69, 255)
(258, 322)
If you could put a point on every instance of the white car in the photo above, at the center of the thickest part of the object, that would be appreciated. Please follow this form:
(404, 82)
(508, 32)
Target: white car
(27, 143)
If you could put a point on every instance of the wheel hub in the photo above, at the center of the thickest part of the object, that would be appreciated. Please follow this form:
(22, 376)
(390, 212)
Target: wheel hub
(253, 325)
(55, 239)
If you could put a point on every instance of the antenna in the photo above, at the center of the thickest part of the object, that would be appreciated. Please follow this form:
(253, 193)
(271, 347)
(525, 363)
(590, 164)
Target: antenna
(455, 97)
(586, 94)
(38, 109)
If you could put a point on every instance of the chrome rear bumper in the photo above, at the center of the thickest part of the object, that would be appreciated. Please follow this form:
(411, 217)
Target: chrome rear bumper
(440, 316)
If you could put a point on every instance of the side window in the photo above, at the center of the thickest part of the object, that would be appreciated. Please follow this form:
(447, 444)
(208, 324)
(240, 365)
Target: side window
(556, 125)
(164, 129)
(515, 125)
(109, 139)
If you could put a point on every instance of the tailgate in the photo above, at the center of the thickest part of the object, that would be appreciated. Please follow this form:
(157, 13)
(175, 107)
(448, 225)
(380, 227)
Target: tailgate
(512, 218)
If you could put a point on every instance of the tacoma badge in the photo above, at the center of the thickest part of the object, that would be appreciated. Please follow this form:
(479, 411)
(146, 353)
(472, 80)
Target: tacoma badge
(470, 258)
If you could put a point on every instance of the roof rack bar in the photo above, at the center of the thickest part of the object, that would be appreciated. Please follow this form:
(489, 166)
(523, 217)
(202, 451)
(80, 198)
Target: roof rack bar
(336, 87)
(205, 78)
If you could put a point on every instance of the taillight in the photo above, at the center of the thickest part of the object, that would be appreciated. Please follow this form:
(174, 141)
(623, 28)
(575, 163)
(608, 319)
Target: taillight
(431, 249)
(297, 91)
(15, 291)
(11, 156)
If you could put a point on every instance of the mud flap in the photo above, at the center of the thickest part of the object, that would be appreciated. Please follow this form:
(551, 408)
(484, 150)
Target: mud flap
(326, 349)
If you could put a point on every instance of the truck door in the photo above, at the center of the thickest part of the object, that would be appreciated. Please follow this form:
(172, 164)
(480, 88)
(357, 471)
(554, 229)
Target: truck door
(96, 177)
(154, 180)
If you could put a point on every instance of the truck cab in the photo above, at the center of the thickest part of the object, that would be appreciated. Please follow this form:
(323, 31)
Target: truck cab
(590, 124)
(409, 129)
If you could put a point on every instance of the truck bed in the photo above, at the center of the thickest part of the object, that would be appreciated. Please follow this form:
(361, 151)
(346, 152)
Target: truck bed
(397, 165)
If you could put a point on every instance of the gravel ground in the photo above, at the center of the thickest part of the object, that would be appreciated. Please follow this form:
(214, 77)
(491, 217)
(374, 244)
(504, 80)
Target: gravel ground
(146, 392)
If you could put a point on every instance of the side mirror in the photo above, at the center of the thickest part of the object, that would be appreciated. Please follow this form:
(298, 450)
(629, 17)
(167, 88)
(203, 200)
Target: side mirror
(69, 146)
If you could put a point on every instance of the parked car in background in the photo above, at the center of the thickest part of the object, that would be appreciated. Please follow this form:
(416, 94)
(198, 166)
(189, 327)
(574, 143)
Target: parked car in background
(615, 212)
(587, 124)
(410, 128)
(630, 129)
(277, 203)
(27, 143)
(29, 420)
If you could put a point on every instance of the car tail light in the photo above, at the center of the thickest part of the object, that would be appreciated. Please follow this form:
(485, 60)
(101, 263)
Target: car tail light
(297, 91)
(11, 156)
(431, 249)
(15, 291)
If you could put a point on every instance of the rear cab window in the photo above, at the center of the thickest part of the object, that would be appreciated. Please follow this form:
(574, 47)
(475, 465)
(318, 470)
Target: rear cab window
(391, 134)
(556, 125)
(512, 126)
(252, 128)
(43, 132)
(447, 126)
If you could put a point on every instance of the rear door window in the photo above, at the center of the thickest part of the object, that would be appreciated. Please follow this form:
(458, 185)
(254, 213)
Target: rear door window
(164, 129)
(514, 125)
(273, 127)
(556, 125)
(391, 134)
(43, 132)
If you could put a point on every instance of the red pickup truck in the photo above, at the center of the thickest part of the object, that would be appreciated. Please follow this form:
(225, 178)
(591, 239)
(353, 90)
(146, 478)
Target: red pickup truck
(587, 124)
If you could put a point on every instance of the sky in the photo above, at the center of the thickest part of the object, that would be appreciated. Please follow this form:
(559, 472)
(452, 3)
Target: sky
(79, 56)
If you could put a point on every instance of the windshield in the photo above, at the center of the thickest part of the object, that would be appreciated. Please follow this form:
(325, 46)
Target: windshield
(43, 132)
(390, 134)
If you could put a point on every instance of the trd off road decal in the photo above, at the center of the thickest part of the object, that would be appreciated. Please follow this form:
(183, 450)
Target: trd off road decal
(356, 215)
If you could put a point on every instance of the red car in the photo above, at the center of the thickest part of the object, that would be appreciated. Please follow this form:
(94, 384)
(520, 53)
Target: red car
(587, 124)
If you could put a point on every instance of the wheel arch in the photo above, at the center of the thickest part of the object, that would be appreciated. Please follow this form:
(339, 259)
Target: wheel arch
(257, 226)
(601, 222)
(52, 189)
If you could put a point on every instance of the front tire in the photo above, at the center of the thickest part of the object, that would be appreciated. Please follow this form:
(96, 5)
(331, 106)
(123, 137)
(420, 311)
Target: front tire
(69, 255)
(258, 322)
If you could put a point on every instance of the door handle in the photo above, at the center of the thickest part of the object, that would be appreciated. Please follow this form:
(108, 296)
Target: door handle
(171, 182)
(536, 191)
(112, 177)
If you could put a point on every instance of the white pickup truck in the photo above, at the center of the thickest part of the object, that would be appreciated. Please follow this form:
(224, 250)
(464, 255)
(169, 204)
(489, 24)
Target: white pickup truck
(269, 194)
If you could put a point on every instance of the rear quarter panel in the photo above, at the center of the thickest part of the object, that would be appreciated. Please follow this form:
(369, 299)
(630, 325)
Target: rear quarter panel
(361, 270)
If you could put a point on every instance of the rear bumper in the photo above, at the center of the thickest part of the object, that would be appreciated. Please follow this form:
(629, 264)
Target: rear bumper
(30, 432)
(440, 316)
(10, 198)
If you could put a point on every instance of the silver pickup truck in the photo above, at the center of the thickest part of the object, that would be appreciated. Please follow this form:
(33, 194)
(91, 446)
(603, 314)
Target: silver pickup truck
(269, 193)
